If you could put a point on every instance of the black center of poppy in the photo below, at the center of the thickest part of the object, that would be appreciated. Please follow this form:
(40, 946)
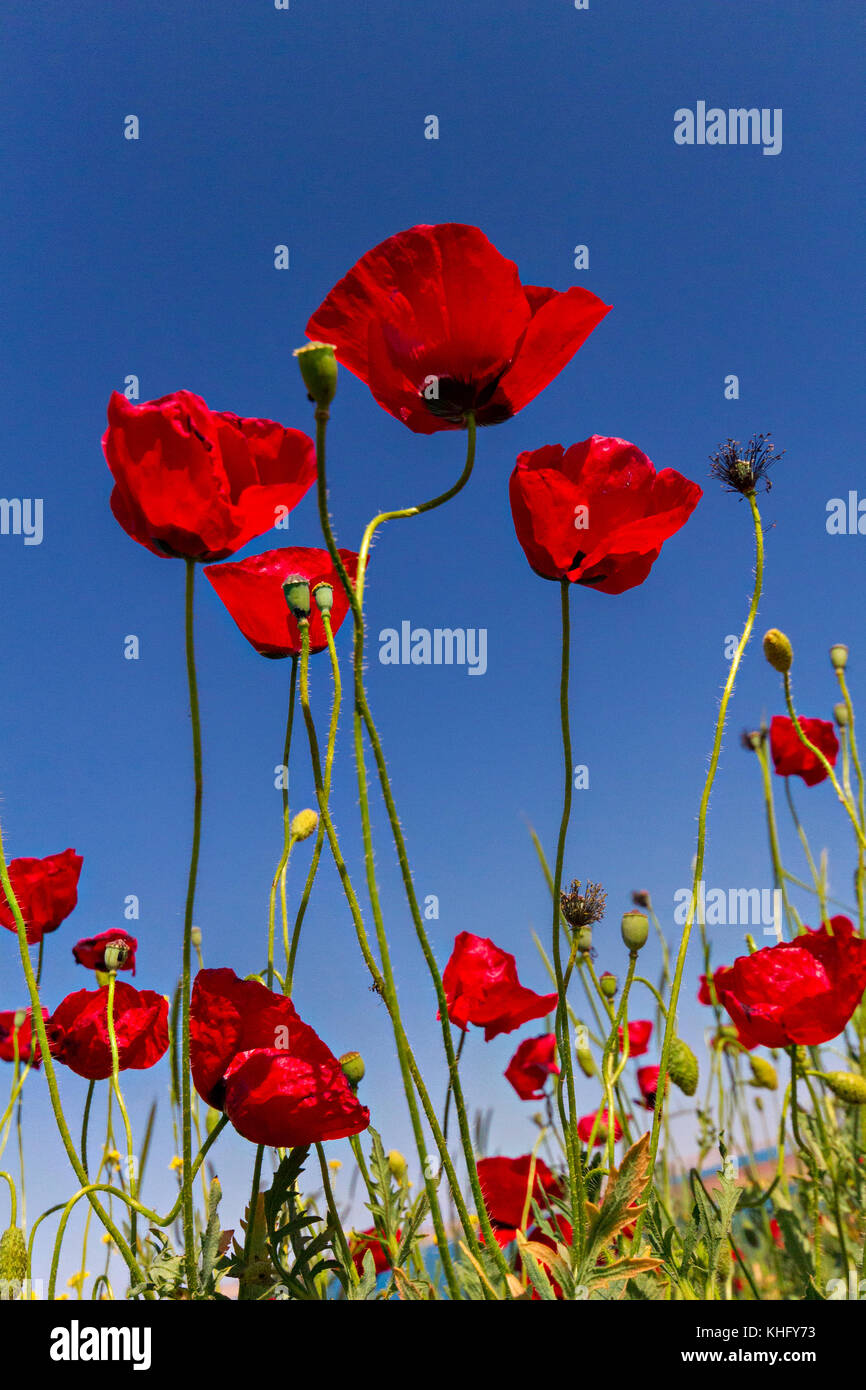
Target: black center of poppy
(454, 398)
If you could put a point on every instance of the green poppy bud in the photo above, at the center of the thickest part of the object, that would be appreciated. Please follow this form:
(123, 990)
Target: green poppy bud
(398, 1165)
(839, 656)
(849, 1086)
(319, 369)
(585, 1061)
(297, 594)
(195, 936)
(763, 1074)
(13, 1258)
(635, 930)
(778, 650)
(840, 714)
(583, 939)
(683, 1067)
(609, 984)
(304, 824)
(353, 1067)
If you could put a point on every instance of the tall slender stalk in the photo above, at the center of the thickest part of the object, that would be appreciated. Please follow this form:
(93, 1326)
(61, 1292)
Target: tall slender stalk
(186, 970)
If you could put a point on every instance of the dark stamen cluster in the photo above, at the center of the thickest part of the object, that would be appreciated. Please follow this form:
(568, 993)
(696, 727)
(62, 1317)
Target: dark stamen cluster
(741, 469)
(580, 909)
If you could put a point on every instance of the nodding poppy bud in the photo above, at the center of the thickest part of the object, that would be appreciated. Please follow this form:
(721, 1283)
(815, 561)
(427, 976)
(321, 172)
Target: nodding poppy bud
(398, 1165)
(116, 955)
(195, 936)
(319, 370)
(608, 984)
(635, 930)
(304, 824)
(778, 650)
(296, 590)
(353, 1067)
(753, 738)
(683, 1067)
(324, 596)
(13, 1259)
(641, 898)
(763, 1074)
(847, 1085)
(839, 656)
(840, 714)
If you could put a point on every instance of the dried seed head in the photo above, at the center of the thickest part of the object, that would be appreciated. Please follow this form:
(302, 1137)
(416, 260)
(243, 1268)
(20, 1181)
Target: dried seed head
(743, 469)
(581, 909)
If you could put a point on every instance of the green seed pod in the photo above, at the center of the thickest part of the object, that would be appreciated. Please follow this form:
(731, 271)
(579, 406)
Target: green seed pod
(353, 1067)
(849, 1086)
(763, 1074)
(319, 370)
(609, 984)
(195, 936)
(583, 939)
(324, 596)
(778, 650)
(13, 1257)
(839, 656)
(304, 825)
(116, 955)
(635, 930)
(297, 594)
(840, 714)
(585, 1061)
(683, 1067)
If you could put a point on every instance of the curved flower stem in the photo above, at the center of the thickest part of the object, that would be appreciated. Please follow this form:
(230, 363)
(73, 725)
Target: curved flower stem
(115, 1085)
(861, 806)
(820, 886)
(287, 838)
(186, 1089)
(679, 969)
(384, 985)
(779, 875)
(38, 1022)
(460, 1046)
(292, 951)
(822, 759)
(339, 1233)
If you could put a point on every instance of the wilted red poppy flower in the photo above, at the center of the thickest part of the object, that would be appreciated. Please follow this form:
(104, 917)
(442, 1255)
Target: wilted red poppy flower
(481, 987)
(252, 591)
(796, 992)
(791, 758)
(648, 1081)
(254, 1058)
(505, 1183)
(91, 951)
(199, 483)
(532, 1063)
(585, 1127)
(597, 513)
(362, 1241)
(78, 1030)
(24, 1039)
(639, 1034)
(437, 323)
(46, 890)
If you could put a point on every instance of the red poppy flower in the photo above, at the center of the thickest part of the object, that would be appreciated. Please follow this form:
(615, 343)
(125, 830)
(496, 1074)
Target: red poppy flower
(200, 483)
(796, 992)
(505, 1183)
(481, 987)
(362, 1241)
(252, 591)
(91, 951)
(586, 1123)
(720, 978)
(776, 1233)
(437, 323)
(648, 1081)
(597, 513)
(25, 1036)
(78, 1030)
(532, 1063)
(46, 890)
(791, 758)
(639, 1034)
(254, 1058)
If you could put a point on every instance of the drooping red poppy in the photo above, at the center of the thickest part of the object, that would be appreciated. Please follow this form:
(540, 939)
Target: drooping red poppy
(370, 1239)
(24, 1039)
(197, 483)
(436, 322)
(639, 1034)
(78, 1030)
(648, 1081)
(597, 513)
(797, 992)
(253, 1057)
(791, 758)
(532, 1063)
(505, 1183)
(481, 987)
(252, 591)
(586, 1123)
(91, 951)
(46, 890)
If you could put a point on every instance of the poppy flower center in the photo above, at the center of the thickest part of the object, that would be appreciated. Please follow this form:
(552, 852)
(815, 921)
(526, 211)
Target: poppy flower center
(454, 398)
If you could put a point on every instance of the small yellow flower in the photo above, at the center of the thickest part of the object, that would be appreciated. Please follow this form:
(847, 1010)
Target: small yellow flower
(106, 1239)
(112, 1156)
(176, 1163)
(335, 1164)
(76, 1281)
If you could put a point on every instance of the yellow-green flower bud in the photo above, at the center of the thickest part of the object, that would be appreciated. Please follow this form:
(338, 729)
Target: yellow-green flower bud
(13, 1258)
(398, 1165)
(353, 1068)
(839, 656)
(635, 930)
(683, 1067)
(849, 1086)
(778, 650)
(195, 936)
(763, 1074)
(609, 984)
(304, 825)
(840, 714)
(585, 1061)
(318, 366)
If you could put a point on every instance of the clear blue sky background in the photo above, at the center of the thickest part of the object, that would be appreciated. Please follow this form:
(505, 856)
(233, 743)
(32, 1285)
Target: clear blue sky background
(155, 257)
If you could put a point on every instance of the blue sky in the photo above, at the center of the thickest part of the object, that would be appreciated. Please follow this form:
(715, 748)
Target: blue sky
(155, 257)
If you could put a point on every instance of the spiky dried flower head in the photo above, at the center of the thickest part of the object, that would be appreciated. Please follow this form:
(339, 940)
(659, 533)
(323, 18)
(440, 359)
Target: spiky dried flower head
(581, 909)
(743, 468)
